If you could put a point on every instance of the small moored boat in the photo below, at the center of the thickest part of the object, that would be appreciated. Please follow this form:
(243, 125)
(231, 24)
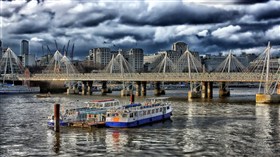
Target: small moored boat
(94, 114)
(47, 95)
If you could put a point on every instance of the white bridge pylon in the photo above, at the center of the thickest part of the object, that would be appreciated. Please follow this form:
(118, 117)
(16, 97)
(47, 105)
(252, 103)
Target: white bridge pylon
(188, 63)
(10, 64)
(60, 64)
(165, 65)
(230, 64)
(263, 64)
(118, 64)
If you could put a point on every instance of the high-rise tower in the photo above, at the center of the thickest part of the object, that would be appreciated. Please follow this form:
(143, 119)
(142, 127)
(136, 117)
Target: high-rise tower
(24, 47)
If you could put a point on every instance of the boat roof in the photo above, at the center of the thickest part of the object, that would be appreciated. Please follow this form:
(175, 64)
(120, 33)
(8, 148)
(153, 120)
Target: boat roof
(104, 100)
(92, 111)
(131, 105)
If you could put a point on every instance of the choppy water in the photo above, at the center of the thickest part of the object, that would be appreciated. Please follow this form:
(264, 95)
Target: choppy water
(220, 127)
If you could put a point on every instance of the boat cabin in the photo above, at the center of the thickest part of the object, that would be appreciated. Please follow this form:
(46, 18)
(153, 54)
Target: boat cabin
(106, 103)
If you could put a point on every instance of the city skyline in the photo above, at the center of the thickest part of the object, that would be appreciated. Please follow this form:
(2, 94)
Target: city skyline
(206, 26)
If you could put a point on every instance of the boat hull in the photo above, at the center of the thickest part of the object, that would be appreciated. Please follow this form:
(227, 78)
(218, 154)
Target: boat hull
(138, 122)
(61, 123)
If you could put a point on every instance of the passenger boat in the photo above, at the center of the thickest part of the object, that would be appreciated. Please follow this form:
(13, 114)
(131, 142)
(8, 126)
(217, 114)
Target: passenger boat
(153, 110)
(94, 114)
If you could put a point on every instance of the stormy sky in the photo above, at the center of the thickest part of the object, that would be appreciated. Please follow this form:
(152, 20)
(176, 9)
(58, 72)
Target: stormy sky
(207, 26)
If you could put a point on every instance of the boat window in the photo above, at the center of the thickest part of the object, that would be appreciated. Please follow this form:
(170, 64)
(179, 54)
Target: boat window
(144, 113)
(108, 115)
(168, 107)
(149, 111)
(160, 110)
(153, 111)
(131, 115)
(135, 114)
(157, 110)
(124, 115)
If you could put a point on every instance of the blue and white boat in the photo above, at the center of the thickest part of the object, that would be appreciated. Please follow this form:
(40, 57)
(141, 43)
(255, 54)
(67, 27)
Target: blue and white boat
(94, 114)
(153, 110)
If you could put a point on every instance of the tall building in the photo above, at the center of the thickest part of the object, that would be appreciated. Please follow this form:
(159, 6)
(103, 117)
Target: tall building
(24, 47)
(179, 47)
(100, 57)
(136, 59)
(28, 60)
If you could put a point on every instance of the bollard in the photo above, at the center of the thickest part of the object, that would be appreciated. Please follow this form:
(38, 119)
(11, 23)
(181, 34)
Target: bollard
(131, 98)
(56, 117)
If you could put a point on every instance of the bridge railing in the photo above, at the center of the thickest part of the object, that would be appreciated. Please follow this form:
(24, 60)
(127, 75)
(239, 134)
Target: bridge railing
(167, 77)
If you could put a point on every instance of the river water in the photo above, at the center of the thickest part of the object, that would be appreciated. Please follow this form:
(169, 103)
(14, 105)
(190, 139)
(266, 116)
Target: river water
(234, 126)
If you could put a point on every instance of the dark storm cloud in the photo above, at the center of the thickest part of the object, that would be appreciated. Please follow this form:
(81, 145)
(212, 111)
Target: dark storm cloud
(120, 34)
(145, 24)
(250, 1)
(180, 14)
(90, 21)
(29, 28)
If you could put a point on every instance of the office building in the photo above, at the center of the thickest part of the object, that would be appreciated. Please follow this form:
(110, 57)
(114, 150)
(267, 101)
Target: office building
(24, 47)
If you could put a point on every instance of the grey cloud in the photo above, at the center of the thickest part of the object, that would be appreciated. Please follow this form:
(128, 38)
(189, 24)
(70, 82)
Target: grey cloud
(89, 27)
(180, 14)
(248, 2)
(94, 21)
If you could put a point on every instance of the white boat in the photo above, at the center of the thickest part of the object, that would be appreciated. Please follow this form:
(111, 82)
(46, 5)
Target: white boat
(94, 114)
(17, 89)
(153, 110)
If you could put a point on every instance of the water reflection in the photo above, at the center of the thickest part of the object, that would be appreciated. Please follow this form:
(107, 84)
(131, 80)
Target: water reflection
(204, 128)
(267, 129)
(56, 142)
(116, 139)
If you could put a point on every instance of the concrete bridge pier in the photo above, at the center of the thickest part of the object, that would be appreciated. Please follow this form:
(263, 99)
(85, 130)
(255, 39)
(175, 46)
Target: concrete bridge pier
(89, 87)
(209, 89)
(70, 90)
(138, 88)
(75, 88)
(143, 88)
(104, 88)
(262, 98)
(84, 89)
(204, 90)
(157, 90)
(223, 91)
(194, 92)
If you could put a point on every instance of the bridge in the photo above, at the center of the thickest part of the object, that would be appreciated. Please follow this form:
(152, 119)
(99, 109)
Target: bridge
(152, 77)
(187, 69)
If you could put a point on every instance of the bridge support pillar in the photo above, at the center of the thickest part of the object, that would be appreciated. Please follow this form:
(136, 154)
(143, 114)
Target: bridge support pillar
(143, 88)
(89, 87)
(70, 91)
(104, 88)
(138, 88)
(209, 89)
(278, 88)
(194, 92)
(84, 90)
(75, 88)
(223, 92)
(204, 89)
(157, 90)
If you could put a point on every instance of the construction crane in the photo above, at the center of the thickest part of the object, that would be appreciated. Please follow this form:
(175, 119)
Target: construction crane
(72, 52)
(67, 47)
(56, 45)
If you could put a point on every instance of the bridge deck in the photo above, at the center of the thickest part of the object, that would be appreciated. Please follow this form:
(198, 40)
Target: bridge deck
(166, 77)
